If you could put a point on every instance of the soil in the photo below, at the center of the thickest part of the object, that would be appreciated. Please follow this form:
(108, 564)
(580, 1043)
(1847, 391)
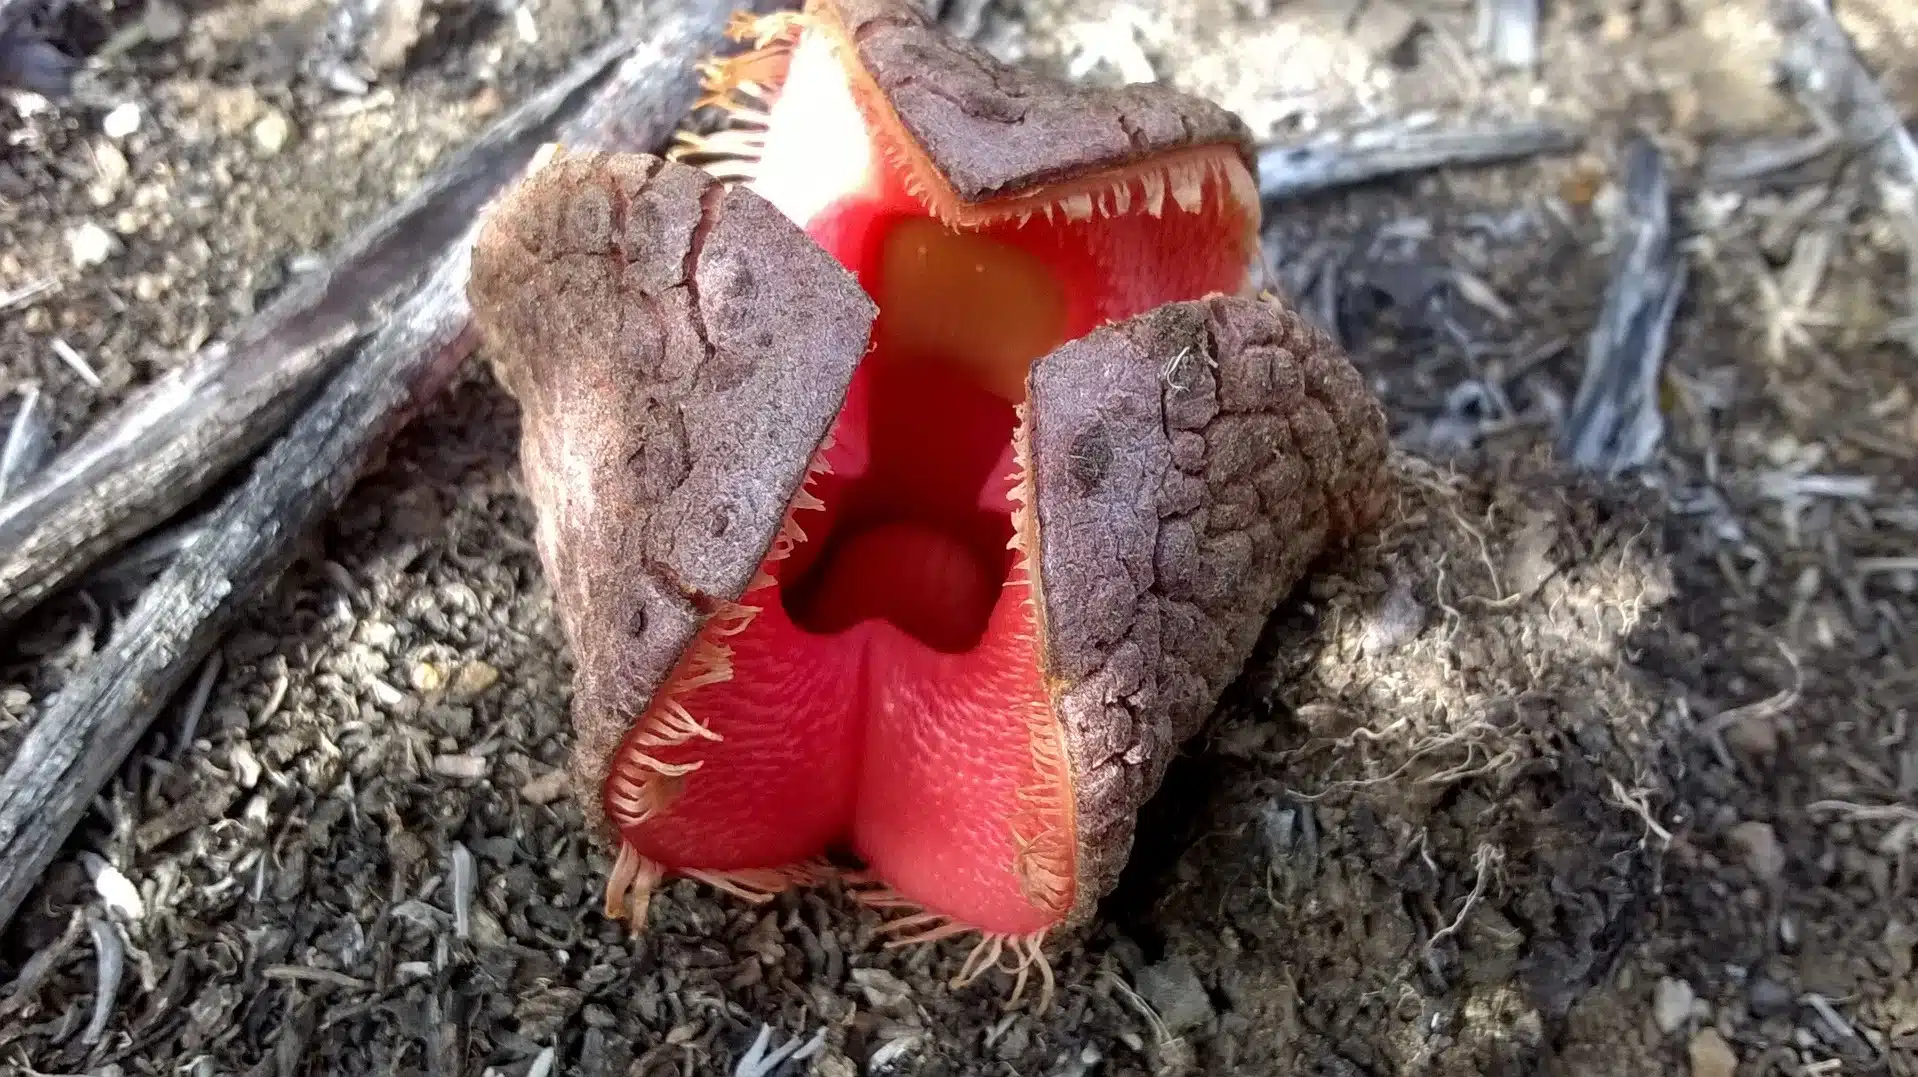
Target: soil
(1552, 777)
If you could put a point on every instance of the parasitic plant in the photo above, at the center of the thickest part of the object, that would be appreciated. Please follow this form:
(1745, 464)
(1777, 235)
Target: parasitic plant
(916, 461)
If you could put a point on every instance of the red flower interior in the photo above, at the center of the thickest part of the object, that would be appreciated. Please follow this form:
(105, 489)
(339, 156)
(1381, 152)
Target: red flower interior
(880, 688)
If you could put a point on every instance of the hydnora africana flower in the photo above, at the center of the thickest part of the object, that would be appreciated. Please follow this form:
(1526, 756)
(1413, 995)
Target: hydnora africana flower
(916, 461)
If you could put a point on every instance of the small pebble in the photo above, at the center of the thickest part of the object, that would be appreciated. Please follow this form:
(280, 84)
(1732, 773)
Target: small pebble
(546, 788)
(1764, 856)
(109, 168)
(90, 245)
(1398, 620)
(1711, 1056)
(1671, 1004)
(883, 990)
(244, 763)
(122, 121)
(396, 30)
(473, 679)
(468, 767)
(428, 677)
(1769, 998)
(1754, 736)
(272, 132)
(164, 21)
(1899, 939)
(1173, 989)
(385, 694)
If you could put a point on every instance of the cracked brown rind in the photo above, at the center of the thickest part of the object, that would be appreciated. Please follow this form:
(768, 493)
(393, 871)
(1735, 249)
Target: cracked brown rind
(678, 350)
(994, 130)
(1188, 466)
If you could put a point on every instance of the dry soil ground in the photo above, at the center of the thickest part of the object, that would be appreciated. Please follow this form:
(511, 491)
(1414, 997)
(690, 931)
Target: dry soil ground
(1552, 779)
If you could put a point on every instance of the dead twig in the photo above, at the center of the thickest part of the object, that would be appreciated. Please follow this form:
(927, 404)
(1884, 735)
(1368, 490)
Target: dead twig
(1347, 160)
(1615, 422)
(88, 729)
(176, 439)
(110, 957)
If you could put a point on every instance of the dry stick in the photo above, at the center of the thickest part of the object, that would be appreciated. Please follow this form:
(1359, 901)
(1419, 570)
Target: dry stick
(1293, 171)
(88, 729)
(177, 438)
(1615, 423)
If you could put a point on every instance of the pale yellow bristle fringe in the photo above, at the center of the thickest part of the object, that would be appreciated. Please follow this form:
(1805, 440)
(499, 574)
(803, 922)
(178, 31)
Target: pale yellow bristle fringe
(1044, 823)
(760, 885)
(640, 786)
(629, 889)
(920, 927)
(745, 85)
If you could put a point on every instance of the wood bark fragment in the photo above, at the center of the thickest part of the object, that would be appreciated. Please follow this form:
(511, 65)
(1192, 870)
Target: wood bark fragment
(1344, 160)
(174, 440)
(85, 733)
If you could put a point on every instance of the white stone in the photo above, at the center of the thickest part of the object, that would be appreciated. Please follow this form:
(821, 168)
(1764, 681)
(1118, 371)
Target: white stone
(90, 245)
(121, 122)
(1671, 1004)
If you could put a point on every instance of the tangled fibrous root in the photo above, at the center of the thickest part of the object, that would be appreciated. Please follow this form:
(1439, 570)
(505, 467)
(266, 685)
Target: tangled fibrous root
(1475, 597)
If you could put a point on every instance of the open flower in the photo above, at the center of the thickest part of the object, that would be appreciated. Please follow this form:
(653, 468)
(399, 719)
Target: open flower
(915, 474)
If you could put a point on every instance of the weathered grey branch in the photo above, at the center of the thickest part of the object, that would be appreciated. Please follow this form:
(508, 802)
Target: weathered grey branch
(88, 729)
(1615, 423)
(175, 439)
(128, 572)
(1293, 171)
